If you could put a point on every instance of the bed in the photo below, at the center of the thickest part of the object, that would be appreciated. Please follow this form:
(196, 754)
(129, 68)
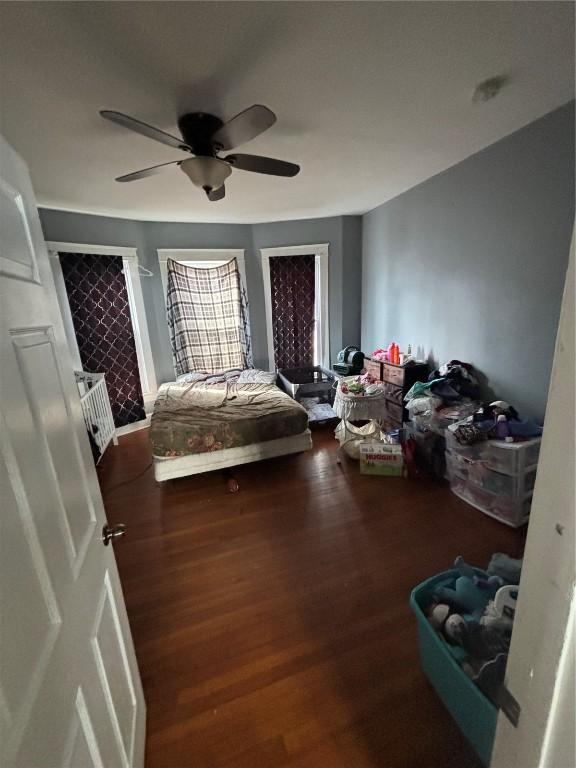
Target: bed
(201, 423)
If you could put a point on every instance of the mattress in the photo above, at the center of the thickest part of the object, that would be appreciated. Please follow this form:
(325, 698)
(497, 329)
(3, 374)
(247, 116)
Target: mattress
(203, 417)
(183, 466)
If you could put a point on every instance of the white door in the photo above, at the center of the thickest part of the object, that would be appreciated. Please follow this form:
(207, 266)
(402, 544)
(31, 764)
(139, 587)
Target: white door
(70, 692)
(541, 666)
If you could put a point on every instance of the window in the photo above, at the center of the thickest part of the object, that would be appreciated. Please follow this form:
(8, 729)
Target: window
(135, 300)
(201, 259)
(321, 335)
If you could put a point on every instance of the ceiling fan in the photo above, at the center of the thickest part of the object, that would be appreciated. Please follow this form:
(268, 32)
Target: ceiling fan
(204, 136)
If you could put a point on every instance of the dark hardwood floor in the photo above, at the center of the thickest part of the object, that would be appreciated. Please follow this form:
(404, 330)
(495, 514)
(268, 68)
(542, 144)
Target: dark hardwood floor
(272, 626)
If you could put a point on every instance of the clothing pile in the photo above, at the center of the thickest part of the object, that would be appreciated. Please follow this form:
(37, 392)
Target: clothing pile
(450, 394)
(497, 421)
(474, 615)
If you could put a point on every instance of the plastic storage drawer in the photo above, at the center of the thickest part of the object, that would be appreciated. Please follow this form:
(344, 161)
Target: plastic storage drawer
(510, 510)
(481, 473)
(509, 458)
(475, 714)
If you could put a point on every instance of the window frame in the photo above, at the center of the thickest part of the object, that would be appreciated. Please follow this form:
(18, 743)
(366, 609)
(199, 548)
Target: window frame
(191, 256)
(320, 251)
(130, 264)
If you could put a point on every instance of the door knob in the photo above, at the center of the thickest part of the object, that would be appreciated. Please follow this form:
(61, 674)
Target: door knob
(111, 532)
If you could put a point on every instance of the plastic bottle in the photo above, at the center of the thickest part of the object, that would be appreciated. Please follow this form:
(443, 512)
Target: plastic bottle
(396, 354)
(390, 352)
(502, 428)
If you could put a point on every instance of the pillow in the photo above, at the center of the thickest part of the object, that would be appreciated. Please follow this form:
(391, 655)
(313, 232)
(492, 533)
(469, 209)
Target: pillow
(188, 378)
(256, 376)
(208, 378)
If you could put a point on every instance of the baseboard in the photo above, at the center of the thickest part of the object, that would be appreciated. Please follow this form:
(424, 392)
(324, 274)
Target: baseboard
(134, 427)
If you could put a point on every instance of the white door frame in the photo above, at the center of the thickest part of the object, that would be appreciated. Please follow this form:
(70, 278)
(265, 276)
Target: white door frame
(322, 330)
(130, 265)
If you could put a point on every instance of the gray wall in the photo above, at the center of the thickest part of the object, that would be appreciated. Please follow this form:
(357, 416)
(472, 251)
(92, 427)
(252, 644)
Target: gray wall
(471, 263)
(342, 233)
(351, 280)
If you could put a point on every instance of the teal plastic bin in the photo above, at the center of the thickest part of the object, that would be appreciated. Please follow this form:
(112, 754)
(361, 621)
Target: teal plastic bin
(473, 712)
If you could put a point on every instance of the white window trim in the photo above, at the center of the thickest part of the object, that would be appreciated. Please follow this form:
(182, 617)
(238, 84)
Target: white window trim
(135, 301)
(191, 256)
(322, 330)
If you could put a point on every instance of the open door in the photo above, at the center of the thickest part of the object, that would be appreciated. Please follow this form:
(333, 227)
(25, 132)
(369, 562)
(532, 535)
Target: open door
(541, 666)
(70, 691)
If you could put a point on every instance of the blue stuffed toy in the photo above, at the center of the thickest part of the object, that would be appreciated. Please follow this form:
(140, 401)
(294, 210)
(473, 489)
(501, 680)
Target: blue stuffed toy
(466, 596)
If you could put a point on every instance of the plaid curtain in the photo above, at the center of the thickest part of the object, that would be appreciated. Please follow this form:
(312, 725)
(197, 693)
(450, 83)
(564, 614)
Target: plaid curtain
(293, 289)
(207, 318)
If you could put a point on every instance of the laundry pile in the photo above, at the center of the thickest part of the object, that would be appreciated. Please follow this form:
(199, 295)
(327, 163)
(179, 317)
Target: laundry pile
(474, 615)
(497, 421)
(451, 398)
(451, 393)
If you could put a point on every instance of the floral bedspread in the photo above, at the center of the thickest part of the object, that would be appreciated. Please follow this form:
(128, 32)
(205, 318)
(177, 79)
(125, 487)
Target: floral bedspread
(205, 415)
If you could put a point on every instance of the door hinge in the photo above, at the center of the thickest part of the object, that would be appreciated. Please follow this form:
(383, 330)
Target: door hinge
(509, 705)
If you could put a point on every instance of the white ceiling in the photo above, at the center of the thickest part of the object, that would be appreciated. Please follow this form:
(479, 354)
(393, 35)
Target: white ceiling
(371, 98)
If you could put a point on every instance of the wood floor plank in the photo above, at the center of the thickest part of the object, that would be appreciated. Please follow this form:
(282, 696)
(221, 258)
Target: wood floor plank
(272, 626)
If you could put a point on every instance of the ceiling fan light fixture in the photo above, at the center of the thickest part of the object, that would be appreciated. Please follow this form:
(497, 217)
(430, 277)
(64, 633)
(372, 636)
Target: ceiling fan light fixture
(208, 173)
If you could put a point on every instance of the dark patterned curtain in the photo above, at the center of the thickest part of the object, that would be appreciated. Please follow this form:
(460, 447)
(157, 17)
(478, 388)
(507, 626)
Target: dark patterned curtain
(98, 301)
(293, 289)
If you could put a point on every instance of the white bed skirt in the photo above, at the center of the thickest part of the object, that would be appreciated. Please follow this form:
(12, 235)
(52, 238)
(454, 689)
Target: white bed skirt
(181, 466)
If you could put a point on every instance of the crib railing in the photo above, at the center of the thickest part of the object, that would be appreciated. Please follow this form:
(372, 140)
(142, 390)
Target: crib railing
(96, 408)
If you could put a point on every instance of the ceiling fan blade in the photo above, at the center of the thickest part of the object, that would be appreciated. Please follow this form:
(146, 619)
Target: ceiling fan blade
(146, 172)
(217, 194)
(244, 127)
(144, 129)
(259, 164)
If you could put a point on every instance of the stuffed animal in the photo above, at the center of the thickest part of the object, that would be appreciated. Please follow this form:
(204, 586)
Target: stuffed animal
(438, 616)
(507, 568)
(464, 597)
(499, 613)
(490, 584)
(455, 628)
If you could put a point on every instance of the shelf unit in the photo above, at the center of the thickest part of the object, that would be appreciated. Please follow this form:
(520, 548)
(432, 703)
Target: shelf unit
(398, 380)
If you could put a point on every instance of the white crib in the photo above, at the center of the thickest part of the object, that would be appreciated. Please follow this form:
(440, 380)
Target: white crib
(96, 408)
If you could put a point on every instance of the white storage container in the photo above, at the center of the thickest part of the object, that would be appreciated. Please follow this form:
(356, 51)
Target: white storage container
(511, 510)
(494, 476)
(509, 458)
(439, 420)
(480, 472)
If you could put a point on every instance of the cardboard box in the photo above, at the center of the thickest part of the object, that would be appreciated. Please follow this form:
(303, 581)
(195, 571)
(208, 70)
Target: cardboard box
(381, 459)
